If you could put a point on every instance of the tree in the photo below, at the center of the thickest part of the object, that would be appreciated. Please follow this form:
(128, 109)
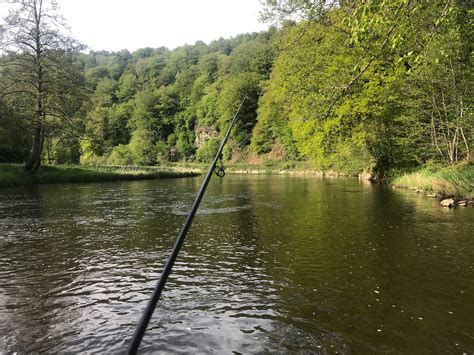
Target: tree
(39, 71)
(282, 10)
(447, 97)
(12, 143)
(371, 84)
(235, 89)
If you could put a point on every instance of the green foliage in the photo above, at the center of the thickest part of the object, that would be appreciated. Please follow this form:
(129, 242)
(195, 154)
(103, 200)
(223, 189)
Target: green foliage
(207, 151)
(344, 85)
(273, 122)
(40, 78)
(364, 85)
(227, 152)
(255, 56)
(120, 155)
(63, 151)
(142, 147)
(207, 110)
(162, 99)
(184, 143)
(235, 90)
(13, 147)
(162, 152)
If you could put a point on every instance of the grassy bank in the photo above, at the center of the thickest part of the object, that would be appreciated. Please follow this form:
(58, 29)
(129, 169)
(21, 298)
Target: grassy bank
(270, 167)
(453, 181)
(13, 175)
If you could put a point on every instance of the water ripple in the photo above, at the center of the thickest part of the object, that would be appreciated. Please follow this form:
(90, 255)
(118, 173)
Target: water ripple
(271, 265)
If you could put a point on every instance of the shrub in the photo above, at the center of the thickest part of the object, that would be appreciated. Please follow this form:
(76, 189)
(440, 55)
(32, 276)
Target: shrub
(207, 151)
(120, 155)
(142, 147)
(162, 151)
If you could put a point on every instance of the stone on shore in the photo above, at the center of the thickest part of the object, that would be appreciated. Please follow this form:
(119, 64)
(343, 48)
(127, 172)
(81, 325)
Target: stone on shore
(449, 202)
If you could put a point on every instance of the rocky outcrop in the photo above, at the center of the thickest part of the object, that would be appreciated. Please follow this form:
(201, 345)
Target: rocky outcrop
(203, 134)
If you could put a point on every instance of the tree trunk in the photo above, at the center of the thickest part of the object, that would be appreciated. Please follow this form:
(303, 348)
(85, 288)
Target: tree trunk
(34, 162)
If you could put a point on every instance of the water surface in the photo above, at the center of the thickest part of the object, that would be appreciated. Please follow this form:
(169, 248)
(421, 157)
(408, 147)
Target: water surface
(272, 264)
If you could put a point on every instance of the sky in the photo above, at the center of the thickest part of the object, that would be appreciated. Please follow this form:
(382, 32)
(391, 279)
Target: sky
(131, 24)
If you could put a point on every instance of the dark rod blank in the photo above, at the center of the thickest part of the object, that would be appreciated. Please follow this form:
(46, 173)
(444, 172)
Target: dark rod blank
(150, 307)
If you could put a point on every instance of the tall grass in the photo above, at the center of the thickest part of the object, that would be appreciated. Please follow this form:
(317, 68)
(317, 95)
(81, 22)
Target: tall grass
(13, 175)
(454, 181)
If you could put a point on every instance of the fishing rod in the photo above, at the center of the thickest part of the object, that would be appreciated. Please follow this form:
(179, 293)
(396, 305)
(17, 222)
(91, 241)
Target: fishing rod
(155, 296)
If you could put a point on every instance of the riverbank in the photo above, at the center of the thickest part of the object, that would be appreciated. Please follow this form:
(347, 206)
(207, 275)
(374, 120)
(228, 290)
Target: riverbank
(12, 175)
(442, 182)
(447, 182)
(271, 167)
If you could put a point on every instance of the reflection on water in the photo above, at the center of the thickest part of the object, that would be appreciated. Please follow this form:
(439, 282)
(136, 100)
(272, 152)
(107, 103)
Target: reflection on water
(272, 264)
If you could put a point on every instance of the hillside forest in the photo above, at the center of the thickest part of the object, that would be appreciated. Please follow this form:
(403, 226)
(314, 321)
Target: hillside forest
(348, 86)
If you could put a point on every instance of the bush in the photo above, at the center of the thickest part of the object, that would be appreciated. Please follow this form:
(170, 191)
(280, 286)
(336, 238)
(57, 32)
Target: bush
(227, 152)
(66, 151)
(120, 155)
(88, 157)
(142, 147)
(207, 151)
(162, 151)
(184, 144)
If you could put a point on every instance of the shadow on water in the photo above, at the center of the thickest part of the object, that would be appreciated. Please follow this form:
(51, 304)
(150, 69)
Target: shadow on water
(271, 264)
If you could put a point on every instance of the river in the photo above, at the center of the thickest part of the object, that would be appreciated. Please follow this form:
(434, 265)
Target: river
(272, 264)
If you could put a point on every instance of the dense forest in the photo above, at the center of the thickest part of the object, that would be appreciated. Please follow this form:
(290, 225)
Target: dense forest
(346, 85)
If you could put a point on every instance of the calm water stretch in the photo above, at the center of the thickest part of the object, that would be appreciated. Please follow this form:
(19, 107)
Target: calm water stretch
(272, 264)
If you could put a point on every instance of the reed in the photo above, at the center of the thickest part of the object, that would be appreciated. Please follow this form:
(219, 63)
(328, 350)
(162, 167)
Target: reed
(13, 175)
(453, 181)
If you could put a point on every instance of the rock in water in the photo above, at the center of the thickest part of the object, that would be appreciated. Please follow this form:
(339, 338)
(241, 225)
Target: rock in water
(449, 202)
(462, 203)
